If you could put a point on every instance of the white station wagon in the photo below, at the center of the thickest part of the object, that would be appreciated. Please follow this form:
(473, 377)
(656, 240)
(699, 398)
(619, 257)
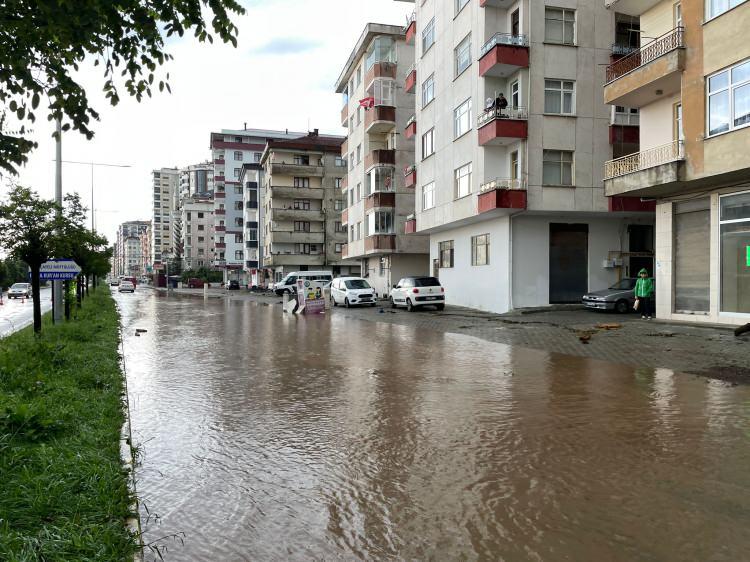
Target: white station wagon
(415, 292)
(350, 291)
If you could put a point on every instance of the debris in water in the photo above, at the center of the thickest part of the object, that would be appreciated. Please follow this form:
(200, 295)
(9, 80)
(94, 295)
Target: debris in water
(609, 326)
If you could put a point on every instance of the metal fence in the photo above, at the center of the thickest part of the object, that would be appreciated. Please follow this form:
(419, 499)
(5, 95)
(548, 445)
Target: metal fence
(638, 161)
(658, 47)
(504, 39)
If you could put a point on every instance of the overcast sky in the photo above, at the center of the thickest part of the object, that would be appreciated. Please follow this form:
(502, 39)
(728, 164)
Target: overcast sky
(281, 75)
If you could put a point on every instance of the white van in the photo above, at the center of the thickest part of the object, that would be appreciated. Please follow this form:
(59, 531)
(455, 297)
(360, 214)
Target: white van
(289, 283)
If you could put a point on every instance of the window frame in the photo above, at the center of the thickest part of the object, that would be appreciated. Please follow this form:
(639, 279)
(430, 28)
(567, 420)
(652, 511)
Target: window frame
(462, 50)
(561, 162)
(431, 133)
(729, 8)
(457, 119)
(730, 88)
(428, 187)
(446, 254)
(563, 92)
(457, 180)
(460, 5)
(428, 86)
(476, 243)
(575, 26)
(428, 30)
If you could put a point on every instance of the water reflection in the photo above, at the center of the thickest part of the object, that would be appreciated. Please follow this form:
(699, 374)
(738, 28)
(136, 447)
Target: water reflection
(271, 437)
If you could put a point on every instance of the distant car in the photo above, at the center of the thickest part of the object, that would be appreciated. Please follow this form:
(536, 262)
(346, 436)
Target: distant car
(114, 282)
(619, 297)
(233, 285)
(126, 286)
(416, 292)
(20, 291)
(350, 291)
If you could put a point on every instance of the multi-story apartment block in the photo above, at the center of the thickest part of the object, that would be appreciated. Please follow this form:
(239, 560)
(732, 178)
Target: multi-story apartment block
(230, 150)
(129, 258)
(196, 179)
(198, 231)
(690, 81)
(301, 224)
(511, 136)
(166, 184)
(377, 193)
(147, 262)
(251, 179)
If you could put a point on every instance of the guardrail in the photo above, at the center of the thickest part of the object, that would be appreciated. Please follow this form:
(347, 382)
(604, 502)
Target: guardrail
(518, 113)
(660, 46)
(508, 39)
(645, 159)
(503, 183)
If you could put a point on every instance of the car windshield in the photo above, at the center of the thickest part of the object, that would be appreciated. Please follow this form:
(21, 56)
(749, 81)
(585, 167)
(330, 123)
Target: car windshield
(624, 285)
(19, 285)
(357, 284)
(426, 282)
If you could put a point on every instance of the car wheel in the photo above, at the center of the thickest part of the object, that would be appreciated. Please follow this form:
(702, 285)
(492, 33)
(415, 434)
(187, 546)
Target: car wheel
(374, 304)
(622, 306)
(409, 306)
(393, 304)
(346, 302)
(440, 307)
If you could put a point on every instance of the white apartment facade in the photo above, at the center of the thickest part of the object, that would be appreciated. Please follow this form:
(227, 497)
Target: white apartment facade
(512, 199)
(198, 231)
(377, 192)
(130, 257)
(166, 185)
(252, 193)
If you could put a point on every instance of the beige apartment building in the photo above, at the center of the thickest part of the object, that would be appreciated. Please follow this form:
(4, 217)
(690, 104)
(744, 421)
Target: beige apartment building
(166, 189)
(301, 219)
(511, 139)
(378, 188)
(197, 231)
(690, 80)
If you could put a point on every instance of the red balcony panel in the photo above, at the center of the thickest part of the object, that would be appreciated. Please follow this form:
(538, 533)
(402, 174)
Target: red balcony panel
(380, 119)
(629, 134)
(382, 156)
(411, 81)
(411, 31)
(345, 216)
(220, 212)
(220, 228)
(410, 227)
(218, 178)
(381, 70)
(503, 131)
(630, 205)
(380, 199)
(380, 242)
(220, 161)
(501, 199)
(503, 60)
(220, 194)
(344, 115)
(411, 130)
(221, 245)
(410, 177)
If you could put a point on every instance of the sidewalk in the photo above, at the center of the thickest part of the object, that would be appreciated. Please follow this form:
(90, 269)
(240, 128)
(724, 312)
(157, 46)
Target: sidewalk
(712, 352)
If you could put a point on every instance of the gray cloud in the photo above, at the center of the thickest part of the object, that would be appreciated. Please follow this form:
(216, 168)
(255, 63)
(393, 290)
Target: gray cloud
(287, 46)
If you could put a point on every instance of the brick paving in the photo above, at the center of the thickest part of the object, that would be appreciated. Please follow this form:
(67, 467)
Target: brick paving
(708, 351)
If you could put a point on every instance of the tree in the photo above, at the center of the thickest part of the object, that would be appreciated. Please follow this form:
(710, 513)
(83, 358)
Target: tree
(12, 271)
(42, 43)
(28, 232)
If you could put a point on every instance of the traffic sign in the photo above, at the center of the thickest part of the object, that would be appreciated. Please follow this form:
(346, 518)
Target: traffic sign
(59, 270)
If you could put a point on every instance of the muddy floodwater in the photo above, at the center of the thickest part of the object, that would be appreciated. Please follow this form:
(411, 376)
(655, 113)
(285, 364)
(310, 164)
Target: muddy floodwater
(265, 437)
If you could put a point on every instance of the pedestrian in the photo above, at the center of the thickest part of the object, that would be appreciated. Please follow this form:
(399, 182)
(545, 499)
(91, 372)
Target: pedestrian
(644, 294)
(501, 102)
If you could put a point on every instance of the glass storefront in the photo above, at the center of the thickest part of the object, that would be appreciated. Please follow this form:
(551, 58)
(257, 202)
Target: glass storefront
(735, 253)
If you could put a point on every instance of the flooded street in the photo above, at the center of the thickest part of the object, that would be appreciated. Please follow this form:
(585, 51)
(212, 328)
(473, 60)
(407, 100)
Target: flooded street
(269, 437)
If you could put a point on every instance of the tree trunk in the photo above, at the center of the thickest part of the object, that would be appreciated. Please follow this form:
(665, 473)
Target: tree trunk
(36, 299)
(78, 291)
(86, 283)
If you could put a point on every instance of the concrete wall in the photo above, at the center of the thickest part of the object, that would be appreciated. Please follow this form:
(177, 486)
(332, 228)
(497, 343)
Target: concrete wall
(657, 122)
(657, 21)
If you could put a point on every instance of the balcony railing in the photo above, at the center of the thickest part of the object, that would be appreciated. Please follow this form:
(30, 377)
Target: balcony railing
(517, 113)
(658, 47)
(621, 50)
(626, 119)
(650, 158)
(504, 39)
(503, 183)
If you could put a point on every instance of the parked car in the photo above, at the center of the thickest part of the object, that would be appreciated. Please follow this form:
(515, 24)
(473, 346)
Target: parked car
(114, 282)
(20, 291)
(126, 286)
(195, 283)
(619, 297)
(233, 285)
(350, 291)
(133, 280)
(416, 292)
(289, 283)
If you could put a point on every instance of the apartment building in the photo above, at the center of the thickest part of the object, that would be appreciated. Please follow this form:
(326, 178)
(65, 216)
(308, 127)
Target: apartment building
(129, 258)
(690, 81)
(196, 179)
(230, 150)
(377, 192)
(166, 185)
(511, 136)
(251, 179)
(302, 179)
(197, 218)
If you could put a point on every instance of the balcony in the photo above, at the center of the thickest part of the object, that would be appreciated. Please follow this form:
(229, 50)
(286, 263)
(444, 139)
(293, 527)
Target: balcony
(345, 115)
(410, 226)
(251, 204)
(251, 243)
(500, 127)
(630, 7)
(251, 264)
(221, 245)
(286, 192)
(648, 74)
(220, 228)
(286, 236)
(380, 242)
(382, 69)
(502, 193)
(220, 263)
(411, 80)
(218, 179)
(296, 170)
(503, 55)
(410, 30)
(381, 156)
(290, 258)
(380, 119)
(411, 128)
(618, 51)
(646, 173)
(380, 199)
(410, 176)
(220, 194)
(220, 212)
(279, 214)
(345, 217)
(630, 205)
(220, 161)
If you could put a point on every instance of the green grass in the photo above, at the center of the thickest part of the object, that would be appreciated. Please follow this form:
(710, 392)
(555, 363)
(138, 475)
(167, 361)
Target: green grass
(63, 491)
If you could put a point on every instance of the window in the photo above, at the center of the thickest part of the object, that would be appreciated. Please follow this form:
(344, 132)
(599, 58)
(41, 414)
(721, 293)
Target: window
(301, 226)
(337, 247)
(351, 197)
(428, 143)
(460, 5)
(718, 7)
(515, 169)
(428, 196)
(238, 190)
(515, 94)
(557, 167)
(428, 36)
(559, 26)
(380, 222)
(252, 234)
(381, 179)
(734, 219)
(301, 160)
(462, 119)
(337, 183)
(462, 55)
(480, 249)
(201, 239)
(351, 234)
(359, 230)
(428, 90)
(201, 227)
(359, 153)
(200, 215)
(351, 160)
(359, 114)
(238, 156)
(340, 162)
(359, 192)
(306, 248)
(678, 15)
(338, 227)
(462, 182)
(301, 182)
(515, 23)
(237, 172)
(678, 133)
(238, 205)
(351, 85)
(238, 255)
(302, 204)
(446, 253)
(339, 204)
(559, 97)
(238, 238)
(359, 76)
(257, 156)
(729, 99)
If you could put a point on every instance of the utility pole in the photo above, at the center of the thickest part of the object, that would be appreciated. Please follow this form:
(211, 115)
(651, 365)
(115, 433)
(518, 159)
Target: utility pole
(57, 286)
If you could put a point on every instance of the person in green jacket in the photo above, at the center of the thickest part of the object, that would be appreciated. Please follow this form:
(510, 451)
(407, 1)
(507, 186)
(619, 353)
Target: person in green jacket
(644, 293)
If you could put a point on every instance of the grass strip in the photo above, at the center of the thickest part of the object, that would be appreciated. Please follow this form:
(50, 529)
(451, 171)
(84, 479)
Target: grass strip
(63, 491)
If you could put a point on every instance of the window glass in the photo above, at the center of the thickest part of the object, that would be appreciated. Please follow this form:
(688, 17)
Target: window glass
(718, 113)
(357, 284)
(480, 249)
(445, 250)
(428, 196)
(460, 5)
(426, 282)
(729, 99)
(463, 55)
(463, 181)
(428, 35)
(559, 25)
(557, 167)
(559, 97)
(462, 119)
(428, 90)
(741, 102)
(718, 7)
(428, 143)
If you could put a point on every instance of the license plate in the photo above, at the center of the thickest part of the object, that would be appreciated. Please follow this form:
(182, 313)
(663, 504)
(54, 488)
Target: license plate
(432, 298)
